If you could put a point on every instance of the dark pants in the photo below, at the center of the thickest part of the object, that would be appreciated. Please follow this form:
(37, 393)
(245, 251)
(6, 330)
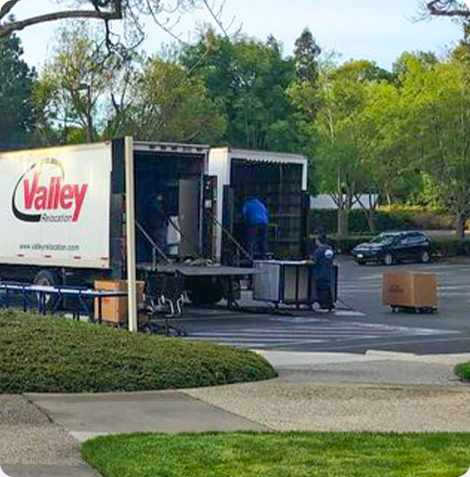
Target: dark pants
(257, 241)
(324, 294)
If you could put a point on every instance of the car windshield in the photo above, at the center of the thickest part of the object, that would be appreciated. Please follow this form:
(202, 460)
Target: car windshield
(384, 239)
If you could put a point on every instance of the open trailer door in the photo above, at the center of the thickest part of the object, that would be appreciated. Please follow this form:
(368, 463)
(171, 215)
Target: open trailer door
(189, 201)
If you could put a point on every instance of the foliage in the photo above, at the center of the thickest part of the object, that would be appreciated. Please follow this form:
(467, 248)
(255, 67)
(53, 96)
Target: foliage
(306, 56)
(451, 247)
(386, 219)
(342, 151)
(249, 79)
(463, 371)
(16, 105)
(171, 105)
(280, 454)
(56, 355)
(439, 100)
(74, 83)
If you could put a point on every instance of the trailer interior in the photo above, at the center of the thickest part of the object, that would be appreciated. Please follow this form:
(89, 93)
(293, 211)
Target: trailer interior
(173, 174)
(279, 186)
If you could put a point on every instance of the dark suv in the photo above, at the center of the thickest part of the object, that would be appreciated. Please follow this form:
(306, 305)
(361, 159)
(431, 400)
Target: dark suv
(393, 247)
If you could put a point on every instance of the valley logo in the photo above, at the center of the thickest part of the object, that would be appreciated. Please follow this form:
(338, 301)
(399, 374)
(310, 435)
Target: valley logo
(43, 195)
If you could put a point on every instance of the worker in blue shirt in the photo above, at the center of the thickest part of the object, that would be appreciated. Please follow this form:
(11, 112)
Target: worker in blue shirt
(323, 257)
(256, 220)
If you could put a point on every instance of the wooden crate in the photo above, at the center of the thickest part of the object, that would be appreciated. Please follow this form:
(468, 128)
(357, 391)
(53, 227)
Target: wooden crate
(416, 290)
(115, 310)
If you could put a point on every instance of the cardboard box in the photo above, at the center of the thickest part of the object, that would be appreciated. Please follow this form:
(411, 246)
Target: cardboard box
(410, 289)
(115, 310)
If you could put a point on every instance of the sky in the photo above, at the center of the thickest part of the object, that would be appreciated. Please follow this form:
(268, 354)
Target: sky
(377, 30)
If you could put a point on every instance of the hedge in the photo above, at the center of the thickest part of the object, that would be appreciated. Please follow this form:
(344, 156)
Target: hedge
(385, 220)
(57, 355)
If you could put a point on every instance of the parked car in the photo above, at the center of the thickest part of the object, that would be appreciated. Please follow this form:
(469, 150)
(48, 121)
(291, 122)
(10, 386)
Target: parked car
(394, 247)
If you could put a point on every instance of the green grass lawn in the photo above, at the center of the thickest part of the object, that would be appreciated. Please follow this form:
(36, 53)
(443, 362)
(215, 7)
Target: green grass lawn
(463, 371)
(280, 455)
(55, 355)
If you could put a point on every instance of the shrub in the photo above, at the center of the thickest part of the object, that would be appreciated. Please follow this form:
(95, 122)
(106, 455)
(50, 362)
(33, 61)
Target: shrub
(463, 371)
(451, 247)
(386, 219)
(56, 355)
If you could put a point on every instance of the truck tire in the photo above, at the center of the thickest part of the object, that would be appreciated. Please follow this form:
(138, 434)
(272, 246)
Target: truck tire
(48, 278)
(205, 291)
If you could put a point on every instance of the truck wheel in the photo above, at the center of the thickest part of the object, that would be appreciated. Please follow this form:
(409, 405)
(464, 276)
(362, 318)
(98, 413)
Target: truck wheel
(205, 291)
(47, 278)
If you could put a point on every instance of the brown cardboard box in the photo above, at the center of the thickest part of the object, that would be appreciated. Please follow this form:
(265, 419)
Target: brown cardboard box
(115, 310)
(410, 289)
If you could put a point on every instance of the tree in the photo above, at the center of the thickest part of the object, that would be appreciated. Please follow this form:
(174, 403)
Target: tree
(249, 78)
(306, 56)
(340, 153)
(384, 148)
(16, 104)
(171, 105)
(440, 99)
(75, 82)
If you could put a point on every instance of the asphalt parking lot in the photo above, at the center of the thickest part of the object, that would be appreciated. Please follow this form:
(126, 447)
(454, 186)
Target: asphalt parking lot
(360, 323)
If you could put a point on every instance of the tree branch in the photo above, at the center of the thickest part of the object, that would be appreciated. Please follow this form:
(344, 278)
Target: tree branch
(443, 8)
(8, 7)
(50, 17)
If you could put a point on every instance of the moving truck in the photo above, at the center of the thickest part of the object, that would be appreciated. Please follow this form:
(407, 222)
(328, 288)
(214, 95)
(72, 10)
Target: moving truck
(64, 210)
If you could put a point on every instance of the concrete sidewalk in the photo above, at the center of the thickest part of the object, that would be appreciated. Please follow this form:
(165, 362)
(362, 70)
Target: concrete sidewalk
(32, 445)
(91, 415)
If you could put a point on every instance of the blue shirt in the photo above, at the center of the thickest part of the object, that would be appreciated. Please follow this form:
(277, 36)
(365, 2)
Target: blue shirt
(255, 213)
(323, 257)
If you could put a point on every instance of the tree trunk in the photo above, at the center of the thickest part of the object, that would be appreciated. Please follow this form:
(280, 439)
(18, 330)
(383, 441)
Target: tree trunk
(343, 222)
(460, 225)
(370, 216)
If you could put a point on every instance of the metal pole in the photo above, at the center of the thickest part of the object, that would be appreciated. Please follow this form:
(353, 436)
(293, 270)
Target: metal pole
(130, 234)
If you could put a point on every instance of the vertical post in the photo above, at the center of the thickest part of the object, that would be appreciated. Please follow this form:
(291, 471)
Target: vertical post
(130, 234)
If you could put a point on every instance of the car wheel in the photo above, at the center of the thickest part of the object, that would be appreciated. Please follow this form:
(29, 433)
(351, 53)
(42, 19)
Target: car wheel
(361, 263)
(425, 257)
(388, 259)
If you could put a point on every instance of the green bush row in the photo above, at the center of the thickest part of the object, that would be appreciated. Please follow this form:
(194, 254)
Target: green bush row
(57, 355)
(385, 220)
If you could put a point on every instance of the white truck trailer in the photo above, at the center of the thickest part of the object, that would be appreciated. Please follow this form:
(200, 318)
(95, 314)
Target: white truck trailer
(64, 211)
(279, 180)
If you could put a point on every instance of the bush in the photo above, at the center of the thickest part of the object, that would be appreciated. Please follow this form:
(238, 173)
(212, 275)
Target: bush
(463, 371)
(386, 219)
(451, 247)
(56, 355)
